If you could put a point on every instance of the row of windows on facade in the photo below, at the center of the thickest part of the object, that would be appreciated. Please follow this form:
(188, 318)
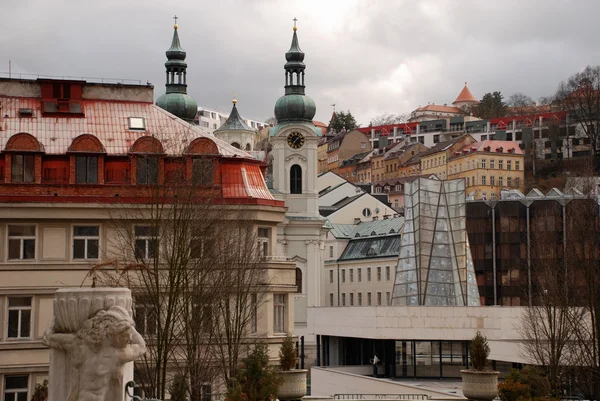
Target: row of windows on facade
(115, 170)
(358, 273)
(86, 242)
(458, 167)
(20, 315)
(349, 301)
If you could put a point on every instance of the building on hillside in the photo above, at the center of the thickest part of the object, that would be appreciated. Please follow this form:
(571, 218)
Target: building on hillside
(382, 136)
(434, 160)
(236, 132)
(411, 167)
(176, 100)
(363, 169)
(488, 168)
(322, 154)
(398, 156)
(360, 262)
(394, 188)
(345, 145)
(322, 126)
(348, 168)
(465, 100)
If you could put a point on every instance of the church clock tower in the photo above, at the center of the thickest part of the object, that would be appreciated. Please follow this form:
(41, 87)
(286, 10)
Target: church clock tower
(294, 149)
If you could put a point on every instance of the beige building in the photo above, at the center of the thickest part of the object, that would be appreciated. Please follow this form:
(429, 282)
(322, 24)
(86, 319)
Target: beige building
(398, 156)
(488, 167)
(345, 145)
(434, 161)
(67, 164)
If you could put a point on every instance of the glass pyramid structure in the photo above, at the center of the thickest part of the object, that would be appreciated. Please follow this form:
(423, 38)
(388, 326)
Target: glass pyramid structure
(435, 266)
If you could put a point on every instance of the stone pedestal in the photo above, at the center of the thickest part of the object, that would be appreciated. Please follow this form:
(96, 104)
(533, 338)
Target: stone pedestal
(74, 310)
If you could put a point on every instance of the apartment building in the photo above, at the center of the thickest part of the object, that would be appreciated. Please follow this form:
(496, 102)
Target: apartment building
(360, 262)
(434, 161)
(488, 168)
(73, 152)
(398, 156)
(345, 145)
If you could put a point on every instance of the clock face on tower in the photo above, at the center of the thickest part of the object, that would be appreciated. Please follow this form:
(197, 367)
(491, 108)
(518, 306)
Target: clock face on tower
(295, 140)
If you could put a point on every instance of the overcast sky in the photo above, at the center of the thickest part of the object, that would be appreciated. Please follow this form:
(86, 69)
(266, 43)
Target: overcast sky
(368, 57)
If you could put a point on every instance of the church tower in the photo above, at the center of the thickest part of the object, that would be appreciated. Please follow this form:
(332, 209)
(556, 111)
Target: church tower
(295, 139)
(236, 132)
(176, 100)
(294, 143)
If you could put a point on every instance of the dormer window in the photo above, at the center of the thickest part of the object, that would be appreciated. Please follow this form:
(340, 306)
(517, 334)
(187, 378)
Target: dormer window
(61, 91)
(22, 168)
(136, 123)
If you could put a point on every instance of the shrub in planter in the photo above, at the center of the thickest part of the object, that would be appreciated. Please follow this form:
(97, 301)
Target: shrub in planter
(479, 383)
(256, 379)
(287, 354)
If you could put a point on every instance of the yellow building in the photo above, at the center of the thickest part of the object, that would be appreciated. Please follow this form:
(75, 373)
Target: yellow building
(322, 154)
(488, 167)
(395, 159)
(378, 167)
(434, 161)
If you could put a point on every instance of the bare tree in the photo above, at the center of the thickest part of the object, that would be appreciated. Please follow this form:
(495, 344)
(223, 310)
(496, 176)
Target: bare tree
(520, 104)
(388, 119)
(580, 97)
(560, 329)
(195, 271)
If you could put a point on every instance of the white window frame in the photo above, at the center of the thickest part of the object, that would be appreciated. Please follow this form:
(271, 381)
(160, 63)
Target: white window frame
(86, 238)
(15, 391)
(147, 239)
(388, 274)
(279, 313)
(20, 318)
(21, 239)
(263, 242)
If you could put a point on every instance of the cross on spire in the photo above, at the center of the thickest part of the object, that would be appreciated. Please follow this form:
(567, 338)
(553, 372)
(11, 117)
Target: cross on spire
(175, 18)
(295, 20)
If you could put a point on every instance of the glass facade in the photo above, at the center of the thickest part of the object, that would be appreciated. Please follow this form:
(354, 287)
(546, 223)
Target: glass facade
(435, 265)
(511, 240)
(404, 358)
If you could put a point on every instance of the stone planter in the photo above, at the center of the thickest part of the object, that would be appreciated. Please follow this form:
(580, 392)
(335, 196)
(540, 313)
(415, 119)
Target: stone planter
(480, 385)
(293, 386)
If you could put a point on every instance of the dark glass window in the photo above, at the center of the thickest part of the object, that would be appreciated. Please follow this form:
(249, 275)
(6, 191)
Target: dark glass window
(85, 242)
(296, 179)
(15, 388)
(147, 170)
(23, 168)
(298, 280)
(146, 242)
(86, 169)
(202, 171)
(19, 317)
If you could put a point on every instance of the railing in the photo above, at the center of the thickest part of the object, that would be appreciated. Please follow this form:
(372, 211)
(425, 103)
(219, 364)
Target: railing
(407, 397)
(122, 81)
(277, 258)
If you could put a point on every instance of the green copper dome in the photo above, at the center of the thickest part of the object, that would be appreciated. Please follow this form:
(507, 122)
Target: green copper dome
(176, 101)
(295, 108)
(180, 104)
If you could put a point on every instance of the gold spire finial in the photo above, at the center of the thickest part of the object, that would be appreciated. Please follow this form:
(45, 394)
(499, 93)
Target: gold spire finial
(175, 26)
(295, 27)
(234, 101)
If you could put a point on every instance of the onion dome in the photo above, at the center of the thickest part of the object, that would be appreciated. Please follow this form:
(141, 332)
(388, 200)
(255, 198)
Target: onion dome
(294, 106)
(176, 100)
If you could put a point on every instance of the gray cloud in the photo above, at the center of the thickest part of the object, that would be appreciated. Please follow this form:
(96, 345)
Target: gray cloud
(367, 56)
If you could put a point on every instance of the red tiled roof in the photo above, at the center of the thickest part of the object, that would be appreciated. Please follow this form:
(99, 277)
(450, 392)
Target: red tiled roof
(107, 121)
(491, 146)
(465, 96)
(439, 109)
(408, 128)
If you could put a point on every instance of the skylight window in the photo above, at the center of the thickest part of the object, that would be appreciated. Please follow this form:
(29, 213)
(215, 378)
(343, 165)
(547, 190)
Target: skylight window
(136, 123)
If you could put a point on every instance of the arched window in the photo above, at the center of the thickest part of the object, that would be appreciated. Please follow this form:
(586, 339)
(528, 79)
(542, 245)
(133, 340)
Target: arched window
(298, 280)
(296, 179)
(236, 145)
(248, 146)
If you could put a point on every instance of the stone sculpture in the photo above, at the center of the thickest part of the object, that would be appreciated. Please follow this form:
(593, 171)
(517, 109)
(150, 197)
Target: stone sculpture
(93, 355)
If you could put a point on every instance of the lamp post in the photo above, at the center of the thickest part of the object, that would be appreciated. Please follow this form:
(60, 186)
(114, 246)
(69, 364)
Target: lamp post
(131, 385)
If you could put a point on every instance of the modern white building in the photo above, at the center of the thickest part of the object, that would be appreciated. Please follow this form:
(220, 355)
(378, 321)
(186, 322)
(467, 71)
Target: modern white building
(211, 119)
